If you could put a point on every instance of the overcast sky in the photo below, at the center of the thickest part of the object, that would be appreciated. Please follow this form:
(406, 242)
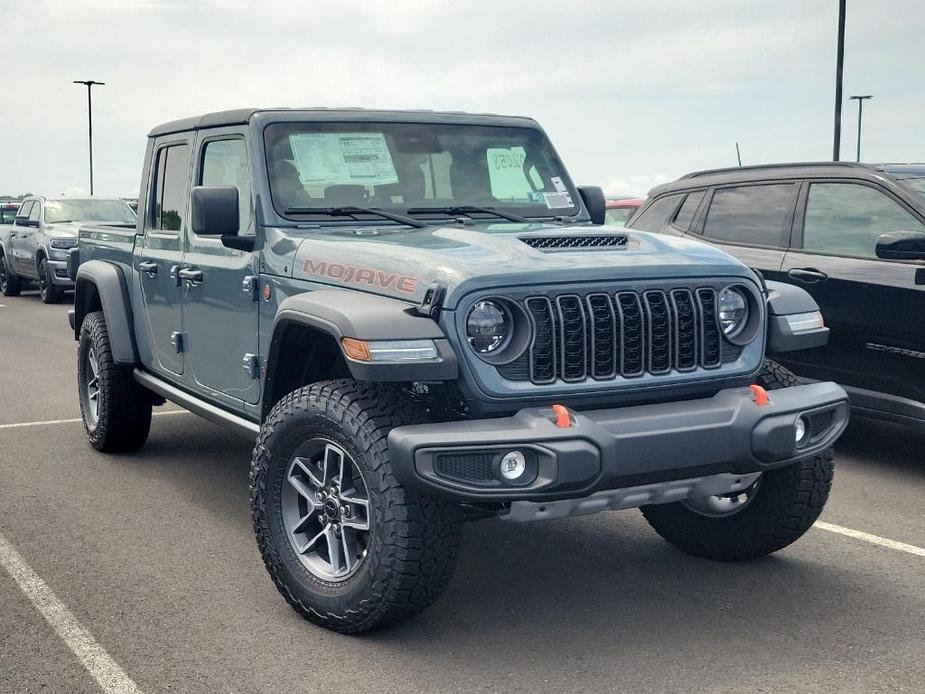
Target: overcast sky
(632, 93)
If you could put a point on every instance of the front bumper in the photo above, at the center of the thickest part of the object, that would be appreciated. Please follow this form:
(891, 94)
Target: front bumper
(618, 448)
(59, 273)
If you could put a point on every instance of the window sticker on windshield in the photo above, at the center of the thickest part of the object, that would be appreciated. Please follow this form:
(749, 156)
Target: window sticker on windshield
(343, 158)
(506, 173)
(557, 201)
(559, 185)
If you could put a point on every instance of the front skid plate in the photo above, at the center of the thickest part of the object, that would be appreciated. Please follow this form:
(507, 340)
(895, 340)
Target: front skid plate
(631, 497)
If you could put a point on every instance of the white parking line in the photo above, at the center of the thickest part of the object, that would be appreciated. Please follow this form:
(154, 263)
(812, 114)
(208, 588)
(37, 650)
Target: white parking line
(47, 422)
(111, 678)
(873, 539)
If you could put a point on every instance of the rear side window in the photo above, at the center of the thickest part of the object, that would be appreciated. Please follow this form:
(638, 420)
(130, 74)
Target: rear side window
(657, 215)
(754, 215)
(689, 209)
(224, 163)
(170, 187)
(847, 219)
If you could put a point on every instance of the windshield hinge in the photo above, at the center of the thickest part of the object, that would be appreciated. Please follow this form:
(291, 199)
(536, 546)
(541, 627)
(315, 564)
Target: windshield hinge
(433, 299)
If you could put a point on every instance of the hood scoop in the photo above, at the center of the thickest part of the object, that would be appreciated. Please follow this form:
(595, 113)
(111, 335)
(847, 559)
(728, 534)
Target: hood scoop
(548, 244)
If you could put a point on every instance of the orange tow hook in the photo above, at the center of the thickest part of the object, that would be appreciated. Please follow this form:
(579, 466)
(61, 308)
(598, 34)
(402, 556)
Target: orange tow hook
(563, 420)
(761, 395)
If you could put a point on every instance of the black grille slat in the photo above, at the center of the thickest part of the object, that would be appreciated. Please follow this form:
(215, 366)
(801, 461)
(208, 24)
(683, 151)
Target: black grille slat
(555, 243)
(633, 325)
(710, 350)
(573, 339)
(685, 326)
(603, 332)
(659, 332)
(543, 346)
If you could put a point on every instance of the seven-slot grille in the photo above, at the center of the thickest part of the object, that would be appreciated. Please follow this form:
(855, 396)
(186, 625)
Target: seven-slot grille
(604, 335)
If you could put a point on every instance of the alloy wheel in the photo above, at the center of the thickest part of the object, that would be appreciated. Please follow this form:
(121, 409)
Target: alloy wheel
(326, 510)
(92, 386)
(723, 505)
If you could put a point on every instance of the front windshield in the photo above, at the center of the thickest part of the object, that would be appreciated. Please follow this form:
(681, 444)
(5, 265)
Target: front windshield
(114, 211)
(618, 216)
(411, 166)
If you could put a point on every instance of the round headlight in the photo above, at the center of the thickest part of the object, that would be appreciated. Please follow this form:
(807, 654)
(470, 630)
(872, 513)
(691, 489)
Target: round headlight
(488, 326)
(733, 311)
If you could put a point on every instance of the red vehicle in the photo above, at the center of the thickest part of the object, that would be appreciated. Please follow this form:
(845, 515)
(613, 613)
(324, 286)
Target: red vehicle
(8, 210)
(619, 211)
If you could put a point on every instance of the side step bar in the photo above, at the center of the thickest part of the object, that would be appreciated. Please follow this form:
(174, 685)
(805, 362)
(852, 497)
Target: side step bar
(239, 425)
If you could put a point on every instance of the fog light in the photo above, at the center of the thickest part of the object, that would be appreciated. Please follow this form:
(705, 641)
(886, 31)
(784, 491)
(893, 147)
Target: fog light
(801, 428)
(513, 465)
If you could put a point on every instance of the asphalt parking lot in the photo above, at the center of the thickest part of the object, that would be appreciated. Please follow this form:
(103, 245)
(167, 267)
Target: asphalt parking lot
(154, 556)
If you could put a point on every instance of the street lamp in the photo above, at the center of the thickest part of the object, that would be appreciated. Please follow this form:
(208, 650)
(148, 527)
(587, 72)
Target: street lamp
(839, 74)
(90, 84)
(860, 100)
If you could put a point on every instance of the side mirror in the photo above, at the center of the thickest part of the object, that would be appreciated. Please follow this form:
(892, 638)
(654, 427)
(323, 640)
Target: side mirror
(593, 197)
(901, 245)
(25, 222)
(214, 211)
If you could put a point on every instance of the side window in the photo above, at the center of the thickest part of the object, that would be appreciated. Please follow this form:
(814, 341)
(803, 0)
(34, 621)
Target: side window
(224, 163)
(847, 219)
(25, 209)
(170, 188)
(688, 210)
(655, 217)
(755, 215)
(36, 211)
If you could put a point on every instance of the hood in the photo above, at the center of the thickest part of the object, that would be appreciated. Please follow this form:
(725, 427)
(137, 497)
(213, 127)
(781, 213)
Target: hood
(64, 230)
(404, 263)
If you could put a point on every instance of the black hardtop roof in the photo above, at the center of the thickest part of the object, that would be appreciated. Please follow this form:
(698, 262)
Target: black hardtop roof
(764, 172)
(242, 116)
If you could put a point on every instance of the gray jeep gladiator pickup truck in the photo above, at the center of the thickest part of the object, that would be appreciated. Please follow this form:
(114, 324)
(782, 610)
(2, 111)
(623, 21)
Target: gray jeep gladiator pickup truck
(34, 246)
(421, 320)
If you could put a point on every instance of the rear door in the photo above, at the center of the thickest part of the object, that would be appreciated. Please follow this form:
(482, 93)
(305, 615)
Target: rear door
(873, 307)
(18, 233)
(752, 222)
(220, 305)
(158, 259)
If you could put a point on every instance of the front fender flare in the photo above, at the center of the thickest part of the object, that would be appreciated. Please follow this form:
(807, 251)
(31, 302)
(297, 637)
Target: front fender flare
(108, 281)
(344, 313)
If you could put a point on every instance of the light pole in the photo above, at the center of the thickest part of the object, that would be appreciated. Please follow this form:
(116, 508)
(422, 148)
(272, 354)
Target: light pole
(860, 100)
(90, 84)
(839, 70)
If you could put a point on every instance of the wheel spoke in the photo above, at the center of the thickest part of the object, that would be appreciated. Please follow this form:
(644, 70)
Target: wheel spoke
(349, 549)
(304, 491)
(333, 464)
(335, 550)
(311, 543)
(303, 521)
(357, 519)
(306, 467)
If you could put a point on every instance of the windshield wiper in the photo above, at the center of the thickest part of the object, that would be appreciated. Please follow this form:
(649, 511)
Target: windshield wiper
(353, 210)
(468, 209)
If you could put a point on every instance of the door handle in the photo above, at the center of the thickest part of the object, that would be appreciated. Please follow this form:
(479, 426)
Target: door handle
(808, 275)
(149, 267)
(190, 274)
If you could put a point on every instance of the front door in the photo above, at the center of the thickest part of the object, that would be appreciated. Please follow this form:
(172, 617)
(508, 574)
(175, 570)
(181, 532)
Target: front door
(873, 307)
(23, 242)
(220, 304)
(159, 259)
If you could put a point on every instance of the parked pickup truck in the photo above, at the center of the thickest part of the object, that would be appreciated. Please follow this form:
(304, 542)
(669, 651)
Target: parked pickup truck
(421, 320)
(34, 247)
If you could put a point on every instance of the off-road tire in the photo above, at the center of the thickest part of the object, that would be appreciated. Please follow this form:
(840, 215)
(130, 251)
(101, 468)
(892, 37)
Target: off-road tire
(787, 502)
(414, 540)
(10, 284)
(124, 417)
(48, 290)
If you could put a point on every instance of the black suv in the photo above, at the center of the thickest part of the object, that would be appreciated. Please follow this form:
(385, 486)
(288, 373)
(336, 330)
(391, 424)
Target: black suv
(853, 235)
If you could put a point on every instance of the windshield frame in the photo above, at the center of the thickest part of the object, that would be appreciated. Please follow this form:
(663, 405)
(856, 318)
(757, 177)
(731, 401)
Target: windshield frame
(324, 120)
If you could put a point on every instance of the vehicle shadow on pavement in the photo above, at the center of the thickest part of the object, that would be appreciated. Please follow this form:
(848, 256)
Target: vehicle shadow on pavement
(886, 444)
